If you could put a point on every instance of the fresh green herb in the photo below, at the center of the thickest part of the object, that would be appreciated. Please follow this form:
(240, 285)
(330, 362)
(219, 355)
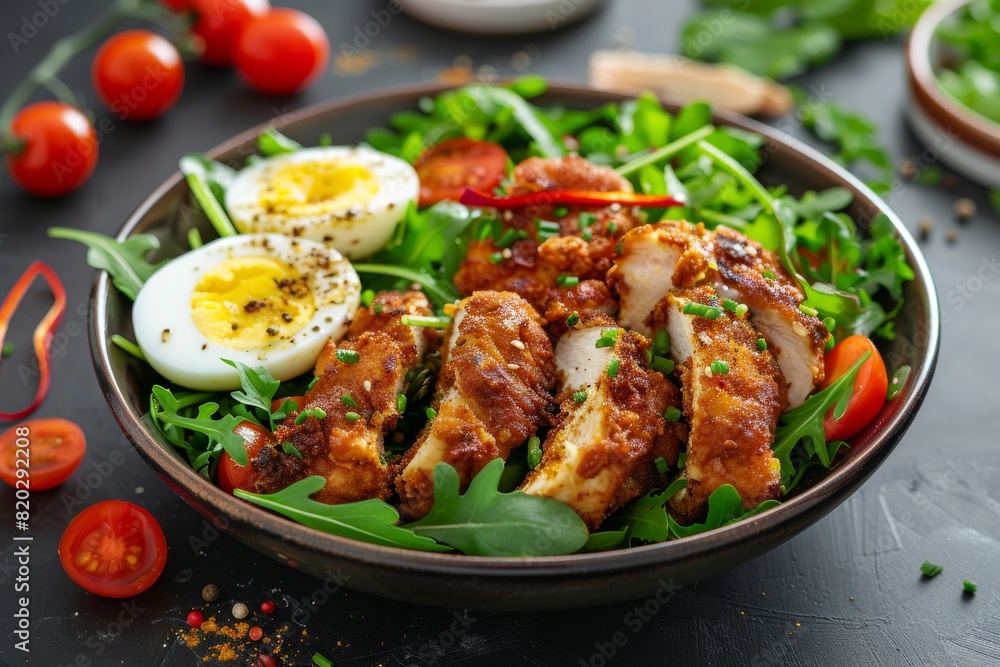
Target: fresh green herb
(897, 382)
(125, 261)
(831, 342)
(560, 212)
(587, 236)
(496, 258)
(573, 318)
(741, 310)
(761, 344)
(371, 521)
(426, 321)
(367, 297)
(485, 522)
(662, 365)
(770, 275)
(349, 416)
(720, 367)
(319, 660)
(545, 229)
(613, 367)
(608, 338)
(534, 452)
(400, 403)
(724, 508)
(348, 356)
(291, 450)
(8, 348)
(431, 413)
(208, 181)
(620, 248)
(271, 142)
(930, 570)
(579, 396)
(317, 413)
(829, 323)
(567, 281)
(730, 305)
(118, 340)
(701, 310)
(666, 152)
(312, 383)
(506, 241)
(194, 238)
(645, 519)
(661, 342)
(969, 587)
(672, 414)
(682, 460)
(604, 540)
(348, 401)
(585, 220)
(970, 71)
(258, 388)
(661, 465)
(612, 228)
(165, 409)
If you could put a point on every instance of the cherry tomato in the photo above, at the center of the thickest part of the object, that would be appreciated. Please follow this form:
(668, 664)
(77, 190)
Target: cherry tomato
(60, 149)
(138, 75)
(218, 24)
(114, 548)
(281, 52)
(869, 386)
(449, 167)
(51, 448)
(300, 402)
(231, 474)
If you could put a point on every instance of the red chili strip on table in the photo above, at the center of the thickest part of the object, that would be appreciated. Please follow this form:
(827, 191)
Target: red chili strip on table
(42, 337)
(472, 197)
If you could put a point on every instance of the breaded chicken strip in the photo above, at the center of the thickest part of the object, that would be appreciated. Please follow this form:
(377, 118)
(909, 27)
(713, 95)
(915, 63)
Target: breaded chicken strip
(494, 385)
(612, 415)
(359, 380)
(732, 415)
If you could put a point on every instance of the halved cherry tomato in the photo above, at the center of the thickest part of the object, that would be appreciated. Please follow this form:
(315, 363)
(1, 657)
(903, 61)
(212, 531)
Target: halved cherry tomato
(869, 386)
(300, 402)
(114, 548)
(138, 75)
(218, 24)
(281, 52)
(50, 448)
(231, 474)
(448, 168)
(60, 149)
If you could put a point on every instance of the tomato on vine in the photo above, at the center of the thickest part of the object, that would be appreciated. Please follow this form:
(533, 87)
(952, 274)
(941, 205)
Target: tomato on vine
(281, 52)
(218, 24)
(138, 75)
(54, 148)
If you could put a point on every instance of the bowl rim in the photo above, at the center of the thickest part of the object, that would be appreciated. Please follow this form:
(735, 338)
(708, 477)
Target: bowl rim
(976, 131)
(849, 474)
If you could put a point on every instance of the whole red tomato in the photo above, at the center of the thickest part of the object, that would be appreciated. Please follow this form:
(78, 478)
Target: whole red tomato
(59, 149)
(281, 52)
(138, 75)
(218, 24)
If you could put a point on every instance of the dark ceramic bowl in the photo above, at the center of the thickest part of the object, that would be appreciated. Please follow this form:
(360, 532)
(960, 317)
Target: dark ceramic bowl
(512, 583)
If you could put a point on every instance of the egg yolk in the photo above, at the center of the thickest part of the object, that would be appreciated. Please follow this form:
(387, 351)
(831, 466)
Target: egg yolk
(310, 188)
(249, 303)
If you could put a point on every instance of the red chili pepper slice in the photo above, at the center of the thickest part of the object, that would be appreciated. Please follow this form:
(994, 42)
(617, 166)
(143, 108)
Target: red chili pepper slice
(472, 197)
(42, 337)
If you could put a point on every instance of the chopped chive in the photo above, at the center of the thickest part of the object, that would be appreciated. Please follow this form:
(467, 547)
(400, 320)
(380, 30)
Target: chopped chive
(930, 569)
(534, 452)
(613, 367)
(431, 413)
(580, 396)
(318, 413)
(522, 234)
(546, 229)
(682, 459)
(620, 248)
(367, 296)
(649, 356)
(770, 275)
(348, 356)
(194, 238)
(377, 309)
(120, 341)
(897, 382)
(661, 342)
(321, 661)
(400, 403)
(672, 414)
(586, 220)
(968, 587)
(808, 310)
(291, 450)
(829, 323)
(701, 310)
(560, 211)
(607, 339)
(662, 365)
(573, 318)
(761, 344)
(587, 236)
(612, 228)
(741, 310)
(567, 281)
(831, 342)
(661, 465)
(348, 401)
(425, 321)
(496, 258)
(729, 305)
(507, 239)
(720, 367)
(352, 416)
(312, 383)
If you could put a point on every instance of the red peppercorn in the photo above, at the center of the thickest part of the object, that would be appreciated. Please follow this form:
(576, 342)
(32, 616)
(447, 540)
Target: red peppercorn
(267, 607)
(264, 660)
(195, 619)
(256, 633)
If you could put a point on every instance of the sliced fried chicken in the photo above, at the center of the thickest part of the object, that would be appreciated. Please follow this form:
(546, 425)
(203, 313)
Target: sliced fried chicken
(612, 409)
(752, 275)
(358, 382)
(494, 384)
(655, 260)
(732, 415)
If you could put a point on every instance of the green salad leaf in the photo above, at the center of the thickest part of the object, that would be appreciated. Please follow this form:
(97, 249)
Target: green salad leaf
(208, 181)
(165, 408)
(724, 508)
(372, 521)
(485, 522)
(271, 142)
(125, 261)
(645, 519)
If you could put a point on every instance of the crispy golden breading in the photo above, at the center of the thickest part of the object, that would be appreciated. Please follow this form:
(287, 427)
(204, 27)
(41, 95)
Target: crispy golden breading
(796, 340)
(591, 458)
(349, 453)
(494, 385)
(732, 416)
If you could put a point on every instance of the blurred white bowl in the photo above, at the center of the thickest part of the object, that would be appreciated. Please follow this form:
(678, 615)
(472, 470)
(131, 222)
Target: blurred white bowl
(499, 17)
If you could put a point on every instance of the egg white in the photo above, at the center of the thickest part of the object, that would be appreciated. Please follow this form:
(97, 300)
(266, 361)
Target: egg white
(188, 358)
(357, 230)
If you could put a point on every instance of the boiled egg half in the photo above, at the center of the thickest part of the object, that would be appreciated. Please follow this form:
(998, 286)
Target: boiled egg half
(263, 299)
(349, 198)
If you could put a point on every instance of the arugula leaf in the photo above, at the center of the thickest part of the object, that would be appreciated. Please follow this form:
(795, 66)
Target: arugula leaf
(604, 541)
(271, 142)
(259, 388)
(166, 409)
(724, 508)
(806, 422)
(645, 519)
(208, 181)
(491, 98)
(485, 522)
(372, 521)
(125, 261)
